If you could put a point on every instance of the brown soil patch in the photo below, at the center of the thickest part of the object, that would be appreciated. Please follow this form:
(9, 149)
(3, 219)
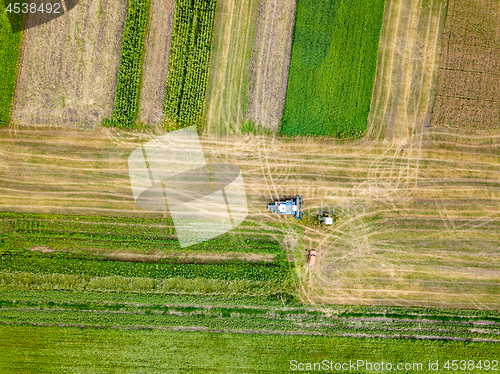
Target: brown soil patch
(468, 93)
(182, 257)
(69, 66)
(270, 63)
(157, 52)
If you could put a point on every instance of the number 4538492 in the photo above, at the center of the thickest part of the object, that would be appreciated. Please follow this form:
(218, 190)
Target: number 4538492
(468, 365)
(33, 8)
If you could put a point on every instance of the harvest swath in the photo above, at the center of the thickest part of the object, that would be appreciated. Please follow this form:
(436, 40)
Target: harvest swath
(332, 70)
(10, 50)
(129, 77)
(189, 63)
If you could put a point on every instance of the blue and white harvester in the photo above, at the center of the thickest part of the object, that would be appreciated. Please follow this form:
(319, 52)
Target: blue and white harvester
(292, 206)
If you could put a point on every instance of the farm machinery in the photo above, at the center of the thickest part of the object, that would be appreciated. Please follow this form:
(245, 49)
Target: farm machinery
(291, 207)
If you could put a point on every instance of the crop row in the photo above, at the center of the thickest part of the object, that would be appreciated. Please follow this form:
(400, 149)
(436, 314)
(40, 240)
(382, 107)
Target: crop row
(65, 263)
(302, 313)
(15, 280)
(72, 232)
(89, 300)
(189, 59)
(129, 76)
(222, 318)
(56, 296)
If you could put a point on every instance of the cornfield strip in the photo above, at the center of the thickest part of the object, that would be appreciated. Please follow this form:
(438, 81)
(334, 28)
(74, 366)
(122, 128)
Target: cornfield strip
(129, 76)
(187, 76)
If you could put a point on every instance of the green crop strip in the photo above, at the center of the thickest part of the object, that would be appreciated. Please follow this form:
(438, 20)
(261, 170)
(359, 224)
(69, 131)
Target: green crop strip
(66, 263)
(333, 66)
(148, 311)
(73, 233)
(56, 349)
(85, 264)
(10, 52)
(129, 76)
(242, 288)
(189, 60)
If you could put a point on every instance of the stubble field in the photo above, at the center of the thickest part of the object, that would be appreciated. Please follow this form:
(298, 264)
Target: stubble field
(427, 238)
(270, 64)
(69, 67)
(468, 93)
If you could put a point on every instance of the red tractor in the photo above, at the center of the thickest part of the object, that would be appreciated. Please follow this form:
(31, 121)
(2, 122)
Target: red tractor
(312, 257)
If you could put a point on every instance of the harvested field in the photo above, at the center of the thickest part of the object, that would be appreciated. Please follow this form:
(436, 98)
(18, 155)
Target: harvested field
(406, 71)
(157, 51)
(468, 92)
(69, 66)
(234, 34)
(426, 236)
(270, 63)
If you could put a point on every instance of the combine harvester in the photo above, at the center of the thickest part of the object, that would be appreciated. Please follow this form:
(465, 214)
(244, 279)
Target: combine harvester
(292, 206)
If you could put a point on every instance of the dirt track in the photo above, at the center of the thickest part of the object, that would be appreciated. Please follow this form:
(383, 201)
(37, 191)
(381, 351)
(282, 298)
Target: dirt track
(69, 76)
(270, 63)
(157, 51)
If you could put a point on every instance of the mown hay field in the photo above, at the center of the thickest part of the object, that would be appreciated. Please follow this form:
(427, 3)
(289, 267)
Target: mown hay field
(424, 231)
(233, 40)
(332, 70)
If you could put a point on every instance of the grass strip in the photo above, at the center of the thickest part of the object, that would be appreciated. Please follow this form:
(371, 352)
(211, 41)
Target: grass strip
(332, 68)
(10, 53)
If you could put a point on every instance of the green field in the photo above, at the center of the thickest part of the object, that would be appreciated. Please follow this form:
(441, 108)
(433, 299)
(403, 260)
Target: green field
(237, 312)
(10, 51)
(56, 350)
(130, 73)
(78, 254)
(189, 60)
(141, 235)
(332, 69)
